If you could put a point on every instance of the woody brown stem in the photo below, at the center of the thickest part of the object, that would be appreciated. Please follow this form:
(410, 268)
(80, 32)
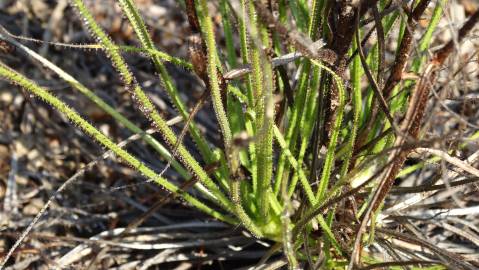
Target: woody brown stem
(197, 51)
(410, 126)
(405, 48)
(417, 105)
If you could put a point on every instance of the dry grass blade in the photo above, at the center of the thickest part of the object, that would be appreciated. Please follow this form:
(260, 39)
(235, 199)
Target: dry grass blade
(10, 203)
(429, 190)
(452, 160)
(152, 238)
(375, 86)
(414, 115)
(64, 186)
(428, 187)
(337, 136)
(398, 263)
(474, 238)
(449, 259)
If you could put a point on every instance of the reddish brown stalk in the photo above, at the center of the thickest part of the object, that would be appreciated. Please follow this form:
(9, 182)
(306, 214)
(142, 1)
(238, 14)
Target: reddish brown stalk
(417, 104)
(328, 93)
(405, 48)
(441, 56)
(198, 53)
(344, 31)
(342, 40)
(192, 16)
(6, 47)
(398, 67)
(411, 127)
(343, 34)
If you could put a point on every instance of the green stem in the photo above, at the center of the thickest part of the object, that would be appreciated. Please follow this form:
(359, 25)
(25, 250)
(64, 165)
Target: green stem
(103, 105)
(208, 33)
(357, 108)
(147, 106)
(77, 120)
(262, 74)
(329, 160)
(138, 24)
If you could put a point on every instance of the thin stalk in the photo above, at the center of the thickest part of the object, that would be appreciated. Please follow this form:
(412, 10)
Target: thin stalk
(146, 105)
(262, 77)
(16, 78)
(125, 48)
(427, 37)
(138, 24)
(228, 32)
(297, 112)
(357, 108)
(103, 105)
(298, 14)
(307, 125)
(329, 159)
(293, 122)
(249, 125)
(208, 33)
(239, 211)
(306, 186)
(294, 163)
(154, 52)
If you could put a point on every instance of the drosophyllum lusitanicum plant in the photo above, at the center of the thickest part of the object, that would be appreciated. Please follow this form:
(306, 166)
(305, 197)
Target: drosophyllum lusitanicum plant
(317, 114)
